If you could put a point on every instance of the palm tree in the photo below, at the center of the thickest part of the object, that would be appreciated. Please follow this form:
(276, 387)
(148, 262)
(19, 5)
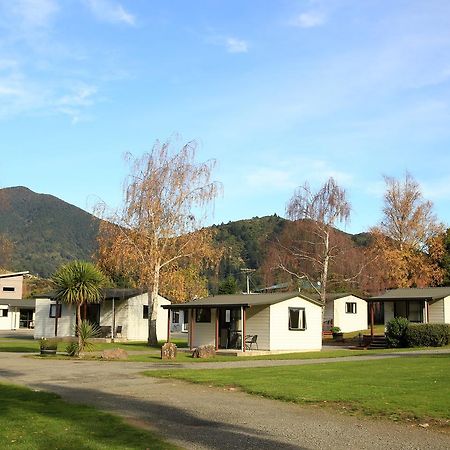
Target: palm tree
(76, 283)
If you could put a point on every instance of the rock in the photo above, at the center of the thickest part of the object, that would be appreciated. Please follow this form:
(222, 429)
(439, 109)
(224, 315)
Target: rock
(169, 351)
(424, 425)
(204, 351)
(116, 353)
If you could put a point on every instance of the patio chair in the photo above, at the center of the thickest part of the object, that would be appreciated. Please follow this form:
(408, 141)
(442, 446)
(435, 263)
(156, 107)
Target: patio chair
(251, 339)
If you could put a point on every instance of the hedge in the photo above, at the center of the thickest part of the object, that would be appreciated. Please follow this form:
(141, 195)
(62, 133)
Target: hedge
(427, 335)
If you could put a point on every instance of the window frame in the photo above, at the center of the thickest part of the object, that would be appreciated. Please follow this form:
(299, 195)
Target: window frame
(301, 310)
(349, 308)
(145, 311)
(2, 312)
(9, 289)
(55, 308)
(175, 314)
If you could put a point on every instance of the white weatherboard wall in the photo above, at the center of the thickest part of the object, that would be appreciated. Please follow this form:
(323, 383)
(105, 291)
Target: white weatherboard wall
(447, 310)
(205, 332)
(7, 322)
(44, 325)
(258, 322)
(436, 311)
(281, 338)
(349, 322)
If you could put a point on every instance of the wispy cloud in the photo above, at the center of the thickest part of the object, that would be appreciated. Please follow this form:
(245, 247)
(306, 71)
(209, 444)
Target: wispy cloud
(310, 19)
(110, 11)
(284, 175)
(235, 45)
(31, 13)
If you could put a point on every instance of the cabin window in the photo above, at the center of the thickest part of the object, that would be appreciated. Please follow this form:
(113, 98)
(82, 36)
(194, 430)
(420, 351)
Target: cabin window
(8, 289)
(297, 319)
(3, 313)
(175, 316)
(54, 309)
(350, 307)
(145, 311)
(203, 315)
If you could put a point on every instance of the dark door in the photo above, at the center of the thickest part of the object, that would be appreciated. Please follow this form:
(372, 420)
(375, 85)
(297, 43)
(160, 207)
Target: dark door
(93, 313)
(25, 318)
(230, 334)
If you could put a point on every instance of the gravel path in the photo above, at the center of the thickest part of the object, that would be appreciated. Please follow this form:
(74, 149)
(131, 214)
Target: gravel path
(202, 417)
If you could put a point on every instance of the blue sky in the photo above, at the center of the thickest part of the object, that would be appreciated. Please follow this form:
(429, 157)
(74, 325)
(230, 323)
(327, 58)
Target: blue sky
(279, 92)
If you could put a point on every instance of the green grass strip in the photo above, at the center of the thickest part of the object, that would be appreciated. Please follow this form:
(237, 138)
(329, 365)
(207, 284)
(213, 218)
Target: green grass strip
(407, 387)
(39, 420)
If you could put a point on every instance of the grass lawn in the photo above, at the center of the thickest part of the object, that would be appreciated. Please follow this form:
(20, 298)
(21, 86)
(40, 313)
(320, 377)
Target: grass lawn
(39, 420)
(19, 345)
(410, 387)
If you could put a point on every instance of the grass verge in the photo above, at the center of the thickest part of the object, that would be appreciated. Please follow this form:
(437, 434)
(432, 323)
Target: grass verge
(414, 388)
(40, 420)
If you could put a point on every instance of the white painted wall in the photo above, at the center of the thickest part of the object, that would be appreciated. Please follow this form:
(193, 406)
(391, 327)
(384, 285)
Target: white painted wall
(129, 314)
(436, 311)
(281, 338)
(44, 326)
(258, 322)
(6, 323)
(204, 333)
(135, 327)
(349, 322)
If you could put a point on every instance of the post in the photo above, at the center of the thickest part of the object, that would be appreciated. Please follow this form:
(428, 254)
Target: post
(169, 311)
(427, 319)
(243, 315)
(371, 319)
(56, 319)
(217, 329)
(113, 322)
(192, 327)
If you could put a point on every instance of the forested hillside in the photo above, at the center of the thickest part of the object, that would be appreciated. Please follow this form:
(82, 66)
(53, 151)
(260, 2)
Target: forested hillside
(44, 231)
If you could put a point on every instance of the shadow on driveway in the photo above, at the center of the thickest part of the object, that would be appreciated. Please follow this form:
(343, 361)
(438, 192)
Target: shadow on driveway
(173, 423)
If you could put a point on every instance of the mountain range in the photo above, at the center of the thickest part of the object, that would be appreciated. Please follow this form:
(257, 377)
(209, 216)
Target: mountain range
(46, 232)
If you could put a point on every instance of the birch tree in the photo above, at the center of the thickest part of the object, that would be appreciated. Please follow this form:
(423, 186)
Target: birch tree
(409, 238)
(159, 227)
(311, 244)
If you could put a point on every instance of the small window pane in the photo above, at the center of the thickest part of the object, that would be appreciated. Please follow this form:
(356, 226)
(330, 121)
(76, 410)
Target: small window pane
(175, 317)
(297, 319)
(8, 289)
(350, 308)
(145, 312)
(3, 313)
(203, 315)
(53, 309)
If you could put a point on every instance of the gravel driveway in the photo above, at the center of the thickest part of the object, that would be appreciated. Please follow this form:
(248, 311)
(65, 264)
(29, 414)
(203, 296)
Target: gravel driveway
(203, 417)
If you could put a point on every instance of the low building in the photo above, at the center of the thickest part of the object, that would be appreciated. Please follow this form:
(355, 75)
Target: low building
(281, 321)
(420, 305)
(15, 312)
(122, 313)
(346, 311)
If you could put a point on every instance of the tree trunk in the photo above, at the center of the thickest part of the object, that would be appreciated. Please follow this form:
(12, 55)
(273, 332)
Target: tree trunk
(153, 305)
(78, 325)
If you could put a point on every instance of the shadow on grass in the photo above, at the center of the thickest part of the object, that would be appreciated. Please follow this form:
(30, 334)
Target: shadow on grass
(175, 423)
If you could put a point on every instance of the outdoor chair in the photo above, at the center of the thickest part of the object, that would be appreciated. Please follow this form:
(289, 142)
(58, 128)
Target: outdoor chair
(251, 339)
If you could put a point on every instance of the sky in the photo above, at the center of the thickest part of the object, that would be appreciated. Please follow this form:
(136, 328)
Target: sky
(279, 92)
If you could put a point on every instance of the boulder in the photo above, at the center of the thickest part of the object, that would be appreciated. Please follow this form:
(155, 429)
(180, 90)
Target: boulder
(169, 351)
(204, 351)
(116, 353)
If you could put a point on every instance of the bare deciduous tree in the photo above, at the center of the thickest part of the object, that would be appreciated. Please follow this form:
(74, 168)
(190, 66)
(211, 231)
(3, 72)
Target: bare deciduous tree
(409, 238)
(313, 246)
(159, 227)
